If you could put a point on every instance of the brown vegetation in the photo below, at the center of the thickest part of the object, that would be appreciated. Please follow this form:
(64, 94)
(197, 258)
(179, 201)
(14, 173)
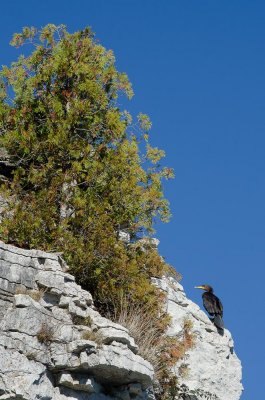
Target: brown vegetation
(78, 320)
(94, 336)
(161, 350)
(34, 294)
(45, 334)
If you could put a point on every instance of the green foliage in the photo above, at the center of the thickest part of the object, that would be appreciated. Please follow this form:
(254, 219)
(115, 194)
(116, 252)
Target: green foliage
(80, 174)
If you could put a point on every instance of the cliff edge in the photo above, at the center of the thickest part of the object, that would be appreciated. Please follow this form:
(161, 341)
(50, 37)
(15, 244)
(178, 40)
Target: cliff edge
(213, 370)
(54, 345)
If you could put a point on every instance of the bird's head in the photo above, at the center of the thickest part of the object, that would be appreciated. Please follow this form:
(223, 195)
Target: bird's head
(207, 288)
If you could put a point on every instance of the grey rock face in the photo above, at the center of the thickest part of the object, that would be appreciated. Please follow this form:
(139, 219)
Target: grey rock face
(53, 344)
(212, 365)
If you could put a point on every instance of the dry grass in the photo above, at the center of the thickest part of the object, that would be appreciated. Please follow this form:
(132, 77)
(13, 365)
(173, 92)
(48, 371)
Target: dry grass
(184, 370)
(95, 336)
(31, 356)
(154, 345)
(184, 341)
(188, 336)
(78, 320)
(36, 295)
(45, 334)
(162, 351)
(144, 328)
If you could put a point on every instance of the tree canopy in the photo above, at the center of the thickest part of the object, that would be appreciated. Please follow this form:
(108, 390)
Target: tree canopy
(84, 169)
(84, 172)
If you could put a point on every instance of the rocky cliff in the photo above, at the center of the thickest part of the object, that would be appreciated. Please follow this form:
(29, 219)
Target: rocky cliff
(212, 369)
(54, 345)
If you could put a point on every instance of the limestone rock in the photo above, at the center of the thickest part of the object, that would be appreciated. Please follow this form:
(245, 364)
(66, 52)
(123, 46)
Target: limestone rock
(212, 365)
(54, 345)
(79, 382)
(46, 320)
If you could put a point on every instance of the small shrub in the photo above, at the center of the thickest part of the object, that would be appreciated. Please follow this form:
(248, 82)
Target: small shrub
(45, 334)
(78, 320)
(32, 355)
(143, 327)
(184, 341)
(88, 321)
(34, 294)
(95, 336)
(161, 350)
(184, 370)
(22, 290)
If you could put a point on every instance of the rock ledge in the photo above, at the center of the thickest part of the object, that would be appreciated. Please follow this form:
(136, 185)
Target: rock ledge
(53, 344)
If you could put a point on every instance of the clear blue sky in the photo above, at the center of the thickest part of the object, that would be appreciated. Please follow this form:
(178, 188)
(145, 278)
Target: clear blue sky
(198, 70)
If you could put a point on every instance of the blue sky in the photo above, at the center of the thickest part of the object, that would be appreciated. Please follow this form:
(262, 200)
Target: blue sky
(197, 69)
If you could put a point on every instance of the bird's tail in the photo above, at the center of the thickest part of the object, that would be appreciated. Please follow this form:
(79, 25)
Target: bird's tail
(218, 322)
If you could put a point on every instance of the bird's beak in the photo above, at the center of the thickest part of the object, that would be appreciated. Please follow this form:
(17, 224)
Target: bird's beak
(198, 287)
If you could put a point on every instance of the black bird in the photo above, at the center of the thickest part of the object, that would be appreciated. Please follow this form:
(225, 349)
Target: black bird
(212, 305)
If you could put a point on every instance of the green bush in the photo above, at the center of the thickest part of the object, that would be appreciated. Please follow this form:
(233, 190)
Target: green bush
(83, 169)
(80, 175)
